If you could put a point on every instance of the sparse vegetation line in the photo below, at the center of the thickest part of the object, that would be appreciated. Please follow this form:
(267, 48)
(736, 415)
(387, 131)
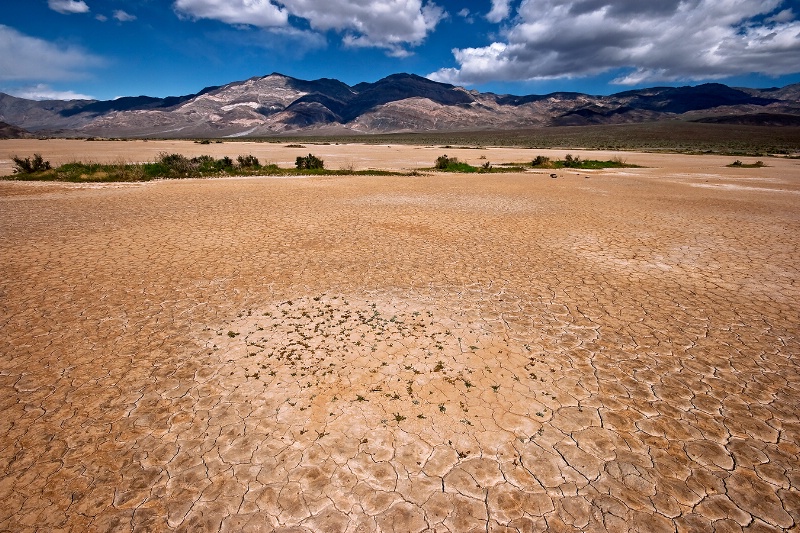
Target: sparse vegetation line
(451, 164)
(571, 161)
(171, 166)
(666, 136)
(739, 164)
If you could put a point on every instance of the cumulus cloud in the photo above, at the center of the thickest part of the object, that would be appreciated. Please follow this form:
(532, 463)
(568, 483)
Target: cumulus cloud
(262, 13)
(42, 91)
(393, 25)
(122, 16)
(500, 11)
(28, 58)
(68, 6)
(669, 40)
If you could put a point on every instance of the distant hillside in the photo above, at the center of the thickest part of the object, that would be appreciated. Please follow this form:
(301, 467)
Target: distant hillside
(278, 104)
(7, 131)
(756, 119)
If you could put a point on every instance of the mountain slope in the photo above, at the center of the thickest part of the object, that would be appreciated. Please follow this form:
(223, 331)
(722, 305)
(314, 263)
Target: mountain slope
(7, 131)
(276, 104)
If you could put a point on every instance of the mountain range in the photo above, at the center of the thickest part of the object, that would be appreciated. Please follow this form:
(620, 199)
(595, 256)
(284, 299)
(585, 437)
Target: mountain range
(278, 104)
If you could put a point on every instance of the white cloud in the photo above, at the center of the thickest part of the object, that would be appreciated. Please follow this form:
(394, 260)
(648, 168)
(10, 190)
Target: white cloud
(122, 16)
(45, 92)
(28, 58)
(787, 15)
(393, 25)
(466, 15)
(669, 40)
(68, 6)
(101, 18)
(500, 11)
(262, 13)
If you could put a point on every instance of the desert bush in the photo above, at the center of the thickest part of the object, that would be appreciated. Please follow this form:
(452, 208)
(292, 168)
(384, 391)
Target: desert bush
(739, 164)
(207, 164)
(452, 164)
(119, 170)
(177, 163)
(309, 162)
(204, 160)
(540, 161)
(127, 172)
(442, 162)
(572, 162)
(173, 166)
(28, 165)
(248, 161)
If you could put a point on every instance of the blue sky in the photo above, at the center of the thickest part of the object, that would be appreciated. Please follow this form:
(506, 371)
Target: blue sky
(109, 48)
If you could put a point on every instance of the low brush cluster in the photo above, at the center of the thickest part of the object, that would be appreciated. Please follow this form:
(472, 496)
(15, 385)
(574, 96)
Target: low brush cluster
(168, 166)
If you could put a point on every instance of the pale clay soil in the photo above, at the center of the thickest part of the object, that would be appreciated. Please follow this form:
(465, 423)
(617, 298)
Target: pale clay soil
(440, 352)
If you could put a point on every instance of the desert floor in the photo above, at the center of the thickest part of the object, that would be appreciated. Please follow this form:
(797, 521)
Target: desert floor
(607, 350)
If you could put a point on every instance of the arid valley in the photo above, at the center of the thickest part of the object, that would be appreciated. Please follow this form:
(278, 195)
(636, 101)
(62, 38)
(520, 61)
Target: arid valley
(607, 350)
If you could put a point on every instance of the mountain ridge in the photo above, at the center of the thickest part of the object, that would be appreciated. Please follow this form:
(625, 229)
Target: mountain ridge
(278, 104)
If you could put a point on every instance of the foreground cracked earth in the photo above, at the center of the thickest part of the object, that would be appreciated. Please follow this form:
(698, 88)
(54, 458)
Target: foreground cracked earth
(445, 353)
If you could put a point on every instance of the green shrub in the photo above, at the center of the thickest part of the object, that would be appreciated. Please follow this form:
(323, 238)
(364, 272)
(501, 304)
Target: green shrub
(309, 162)
(541, 161)
(572, 162)
(452, 164)
(179, 165)
(739, 164)
(443, 162)
(29, 166)
(208, 165)
(173, 166)
(248, 161)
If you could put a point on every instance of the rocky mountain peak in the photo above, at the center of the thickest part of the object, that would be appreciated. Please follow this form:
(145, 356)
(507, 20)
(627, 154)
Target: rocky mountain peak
(276, 103)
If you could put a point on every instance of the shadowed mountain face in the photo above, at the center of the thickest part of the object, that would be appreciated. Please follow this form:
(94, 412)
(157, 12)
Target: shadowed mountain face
(7, 131)
(128, 103)
(277, 104)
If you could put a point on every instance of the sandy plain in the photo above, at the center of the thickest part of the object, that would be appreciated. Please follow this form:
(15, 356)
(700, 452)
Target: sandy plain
(606, 351)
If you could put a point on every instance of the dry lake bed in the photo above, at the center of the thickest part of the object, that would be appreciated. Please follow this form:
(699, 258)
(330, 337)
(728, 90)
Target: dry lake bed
(605, 351)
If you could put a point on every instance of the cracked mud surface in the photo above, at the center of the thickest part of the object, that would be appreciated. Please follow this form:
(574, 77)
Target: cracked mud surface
(448, 353)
